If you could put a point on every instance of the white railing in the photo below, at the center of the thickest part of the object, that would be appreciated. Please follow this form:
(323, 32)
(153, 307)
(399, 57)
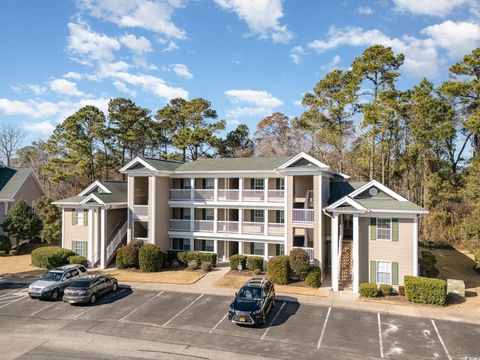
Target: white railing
(179, 225)
(140, 210)
(253, 227)
(253, 195)
(310, 251)
(276, 229)
(204, 194)
(276, 195)
(303, 216)
(227, 226)
(203, 225)
(179, 194)
(228, 194)
(116, 241)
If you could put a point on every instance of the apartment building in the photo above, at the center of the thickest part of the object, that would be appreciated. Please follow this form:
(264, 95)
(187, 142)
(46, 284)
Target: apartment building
(268, 206)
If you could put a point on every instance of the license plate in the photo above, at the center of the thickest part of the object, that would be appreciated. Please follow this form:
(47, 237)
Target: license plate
(242, 319)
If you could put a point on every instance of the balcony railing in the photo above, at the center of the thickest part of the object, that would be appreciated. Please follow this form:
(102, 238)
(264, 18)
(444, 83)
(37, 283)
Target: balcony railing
(253, 227)
(228, 194)
(304, 216)
(310, 251)
(203, 225)
(276, 195)
(179, 225)
(227, 226)
(204, 194)
(140, 210)
(276, 229)
(253, 195)
(180, 194)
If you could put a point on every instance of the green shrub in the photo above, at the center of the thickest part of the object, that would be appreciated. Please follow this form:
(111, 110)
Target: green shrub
(257, 271)
(401, 290)
(368, 289)
(138, 244)
(187, 256)
(424, 290)
(206, 266)
(5, 244)
(238, 259)
(127, 257)
(150, 258)
(386, 289)
(427, 263)
(13, 252)
(77, 259)
(50, 256)
(172, 255)
(192, 265)
(254, 262)
(278, 269)
(476, 254)
(314, 277)
(299, 262)
(2, 253)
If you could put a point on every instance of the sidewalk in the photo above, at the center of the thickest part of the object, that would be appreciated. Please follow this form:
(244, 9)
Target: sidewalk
(468, 312)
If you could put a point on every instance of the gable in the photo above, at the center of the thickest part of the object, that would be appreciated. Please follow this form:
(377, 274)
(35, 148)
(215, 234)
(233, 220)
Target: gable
(373, 193)
(302, 162)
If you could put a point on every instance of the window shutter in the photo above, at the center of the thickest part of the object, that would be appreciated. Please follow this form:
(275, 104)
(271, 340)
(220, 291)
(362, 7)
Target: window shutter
(394, 229)
(277, 183)
(373, 271)
(373, 228)
(74, 217)
(252, 183)
(277, 216)
(394, 273)
(85, 217)
(252, 215)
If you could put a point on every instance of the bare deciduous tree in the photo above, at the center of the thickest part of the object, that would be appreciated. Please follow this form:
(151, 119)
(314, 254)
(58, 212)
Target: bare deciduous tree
(10, 139)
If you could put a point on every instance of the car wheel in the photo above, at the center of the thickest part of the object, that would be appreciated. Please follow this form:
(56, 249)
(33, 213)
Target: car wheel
(93, 299)
(55, 294)
(114, 287)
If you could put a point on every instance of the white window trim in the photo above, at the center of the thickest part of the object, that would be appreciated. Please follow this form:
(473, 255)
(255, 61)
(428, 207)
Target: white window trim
(376, 273)
(133, 229)
(261, 181)
(205, 245)
(84, 248)
(255, 216)
(253, 246)
(76, 212)
(184, 242)
(391, 228)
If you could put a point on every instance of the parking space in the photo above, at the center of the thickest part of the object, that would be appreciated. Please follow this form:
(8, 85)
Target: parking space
(461, 340)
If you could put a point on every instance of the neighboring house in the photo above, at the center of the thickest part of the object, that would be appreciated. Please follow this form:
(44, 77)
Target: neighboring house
(17, 184)
(267, 206)
(94, 223)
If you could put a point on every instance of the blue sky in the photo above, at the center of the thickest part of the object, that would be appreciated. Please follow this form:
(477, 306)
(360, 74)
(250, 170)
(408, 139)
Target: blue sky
(248, 57)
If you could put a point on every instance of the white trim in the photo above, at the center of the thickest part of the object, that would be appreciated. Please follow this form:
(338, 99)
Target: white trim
(138, 159)
(91, 237)
(63, 227)
(153, 204)
(415, 246)
(92, 186)
(376, 271)
(306, 157)
(356, 254)
(103, 245)
(380, 186)
(349, 201)
(334, 252)
(91, 197)
(391, 228)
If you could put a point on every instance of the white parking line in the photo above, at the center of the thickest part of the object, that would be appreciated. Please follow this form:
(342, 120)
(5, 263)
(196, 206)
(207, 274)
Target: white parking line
(441, 341)
(380, 338)
(94, 307)
(323, 329)
(218, 323)
(181, 311)
(13, 292)
(44, 308)
(273, 320)
(11, 302)
(138, 308)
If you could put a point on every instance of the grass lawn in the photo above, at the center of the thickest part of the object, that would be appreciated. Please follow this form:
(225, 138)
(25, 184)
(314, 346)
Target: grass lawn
(18, 266)
(182, 277)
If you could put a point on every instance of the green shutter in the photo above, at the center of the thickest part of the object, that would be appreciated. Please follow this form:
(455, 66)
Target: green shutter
(85, 217)
(74, 217)
(252, 182)
(252, 215)
(278, 185)
(394, 273)
(394, 229)
(373, 228)
(277, 216)
(373, 271)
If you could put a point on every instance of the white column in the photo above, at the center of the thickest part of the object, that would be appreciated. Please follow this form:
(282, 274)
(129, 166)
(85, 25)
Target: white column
(215, 246)
(225, 250)
(240, 189)
(103, 244)
(6, 203)
(192, 218)
(192, 244)
(356, 254)
(240, 221)
(285, 216)
(415, 246)
(63, 227)
(334, 252)
(265, 219)
(240, 247)
(215, 221)
(265, 189)
(153, 204)
(91, 236)
(265, 252)
(130, 189)
(215, 189)
(192, 189)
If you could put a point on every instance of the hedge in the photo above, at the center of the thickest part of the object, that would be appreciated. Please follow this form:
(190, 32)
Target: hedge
(368, 289)
(254, 262)
(424, 290)
(198, 256)
(386, 289)
(206, 266)
(150, 258)
(237, 259)
(50, 257)
(138, 244)
(314, 277)
(5, 244)
(476, 254)
(127, 257)
(278, 268)
(77, 259)
(299, 261)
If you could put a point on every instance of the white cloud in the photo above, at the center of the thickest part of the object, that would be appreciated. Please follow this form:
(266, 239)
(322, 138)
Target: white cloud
(297, 53)
(65, 87)
(421, 54)
(153, 15)
(123, 88)
(251, 103)
(153, 84)
(429, 7)
(42, 127)
(364, 10)
(34, 88)
(261, 16)
(332, 64)
(139, 45)
(181, 70)
(73, 75)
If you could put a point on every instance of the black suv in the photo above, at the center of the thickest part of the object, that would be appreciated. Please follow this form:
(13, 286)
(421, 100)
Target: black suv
(253, 302)
(88, 289)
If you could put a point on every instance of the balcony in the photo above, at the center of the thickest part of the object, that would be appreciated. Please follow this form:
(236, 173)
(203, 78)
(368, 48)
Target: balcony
(180, 194)
(140, 211)
(228, 195)
(203, 225)
(179, 225)
(253, 195)
(303, 216)
(253, 227)
(276, 229)
(204, 194)
(227, 226)
(276, 195)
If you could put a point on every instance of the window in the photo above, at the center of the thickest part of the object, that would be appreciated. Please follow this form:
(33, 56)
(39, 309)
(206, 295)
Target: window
(208, 214)
(257, 184)
(279, 249)
(185, 213)
(79, 247)
(280, 184)
(257, 216)
(80, 217)
(257, 249)
(384, 272)
(347, 222)
(208, 245)
(181, 244)
(384, 229)
(209, 183)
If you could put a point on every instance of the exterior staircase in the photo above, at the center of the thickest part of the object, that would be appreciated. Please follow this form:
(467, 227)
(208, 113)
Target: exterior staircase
(346, 266)
(115, 239)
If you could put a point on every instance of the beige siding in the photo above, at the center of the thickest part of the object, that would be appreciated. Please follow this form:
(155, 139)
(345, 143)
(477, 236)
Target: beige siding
(29, 191)
(317, 209)
(400, 251)
(73, 232)
(162, 213)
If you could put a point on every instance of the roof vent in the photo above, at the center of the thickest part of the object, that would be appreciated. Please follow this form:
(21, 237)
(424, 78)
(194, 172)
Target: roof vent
(373, 191)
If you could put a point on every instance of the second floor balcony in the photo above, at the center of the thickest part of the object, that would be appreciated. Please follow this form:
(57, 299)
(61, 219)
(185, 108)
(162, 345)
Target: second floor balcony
(228, 227)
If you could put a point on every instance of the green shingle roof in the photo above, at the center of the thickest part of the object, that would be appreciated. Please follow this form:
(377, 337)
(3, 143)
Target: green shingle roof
(390, 204)
(118, 194)
(234, 164)
(166, 165)
(339, 189)
(10, 181)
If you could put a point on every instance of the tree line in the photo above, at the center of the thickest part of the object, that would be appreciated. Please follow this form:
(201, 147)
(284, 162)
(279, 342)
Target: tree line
(423, 142)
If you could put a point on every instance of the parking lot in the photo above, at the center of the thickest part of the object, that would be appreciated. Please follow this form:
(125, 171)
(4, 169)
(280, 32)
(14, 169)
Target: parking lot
(293, 330)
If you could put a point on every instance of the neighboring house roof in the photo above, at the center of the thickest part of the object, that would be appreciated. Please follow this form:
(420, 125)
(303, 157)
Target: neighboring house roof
(11, 180)
(100, 192)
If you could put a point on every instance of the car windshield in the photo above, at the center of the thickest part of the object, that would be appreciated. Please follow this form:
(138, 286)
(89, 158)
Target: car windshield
(81, 283)
(247, 293)
(52, 276)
